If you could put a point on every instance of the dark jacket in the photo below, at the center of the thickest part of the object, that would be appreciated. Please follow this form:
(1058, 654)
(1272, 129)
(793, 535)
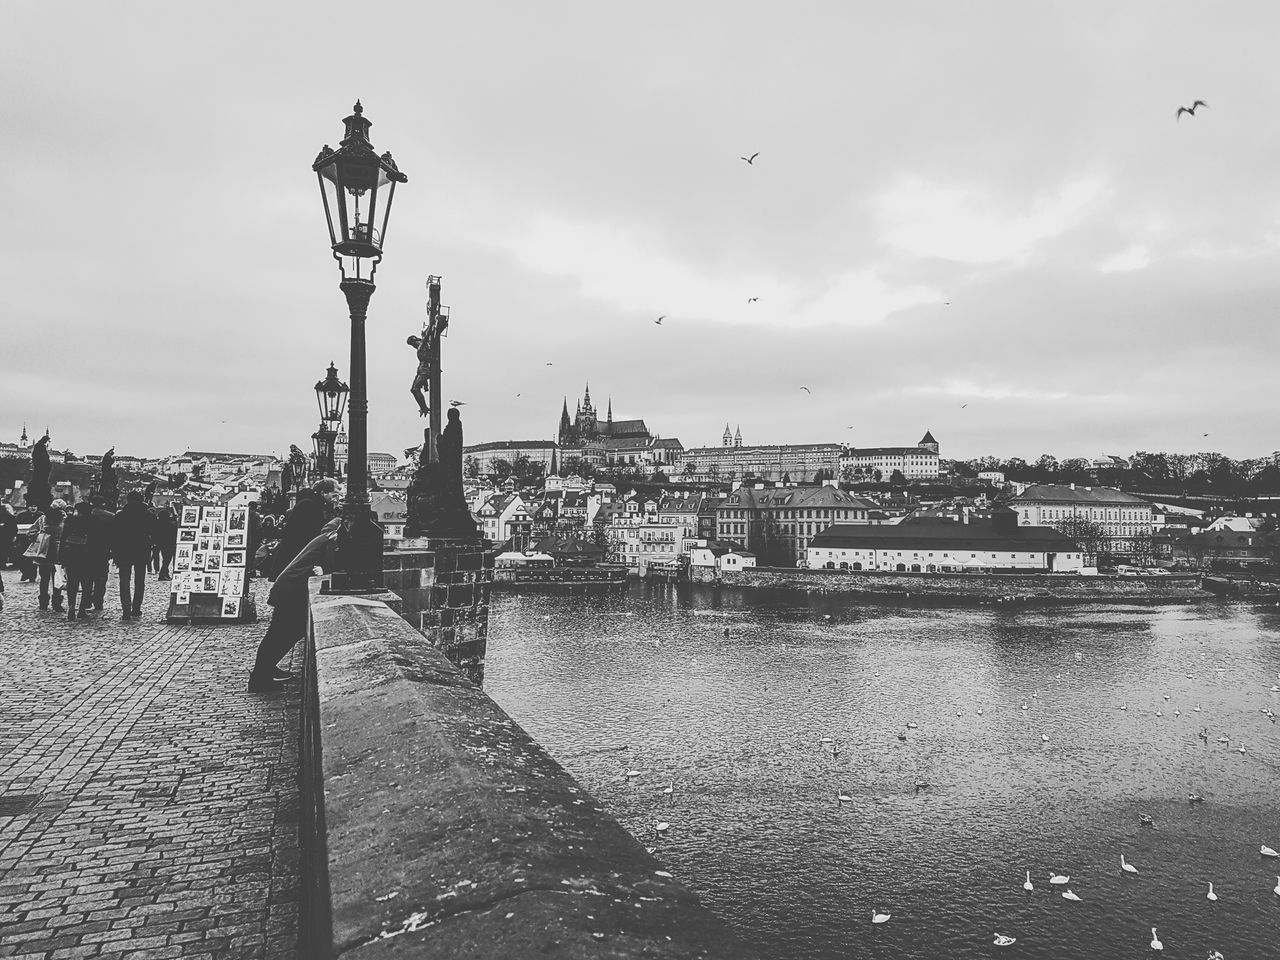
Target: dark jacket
(301, 525)
(82, 540)
(294, 578)
(166, 530)
(131, 531)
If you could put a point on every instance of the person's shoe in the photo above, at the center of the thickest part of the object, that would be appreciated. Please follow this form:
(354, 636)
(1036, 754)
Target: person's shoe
(97, 607)
(137, 613)
(264, 684)
(126, 615)
(59, 608)
(71, 614)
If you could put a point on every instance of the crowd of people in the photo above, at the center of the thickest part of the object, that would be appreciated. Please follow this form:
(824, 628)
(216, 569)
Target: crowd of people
(68, 551)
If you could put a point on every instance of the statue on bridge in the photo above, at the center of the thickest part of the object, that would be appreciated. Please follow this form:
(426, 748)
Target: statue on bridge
(109, 484)
(437, 505)
(39, 494)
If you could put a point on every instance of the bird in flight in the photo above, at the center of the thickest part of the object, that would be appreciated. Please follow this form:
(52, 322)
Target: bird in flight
(457, 403)
(517, 394)
(807, 390)
(1191, 109)
(963, 405)
(660, 319)
(751, 159)
(752, 299)
(549, 363)
(1204, 434)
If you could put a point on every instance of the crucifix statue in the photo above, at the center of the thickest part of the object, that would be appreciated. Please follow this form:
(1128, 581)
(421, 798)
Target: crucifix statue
(437, 505)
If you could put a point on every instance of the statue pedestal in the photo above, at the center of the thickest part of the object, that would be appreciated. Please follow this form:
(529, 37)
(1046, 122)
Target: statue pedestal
(444, 584)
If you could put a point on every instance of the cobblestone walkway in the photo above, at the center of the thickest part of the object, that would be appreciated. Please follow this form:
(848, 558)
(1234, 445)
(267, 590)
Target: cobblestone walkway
(148, 804)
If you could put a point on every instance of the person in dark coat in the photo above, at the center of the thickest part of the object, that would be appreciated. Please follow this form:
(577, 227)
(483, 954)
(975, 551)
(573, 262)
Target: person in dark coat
(8, 530)
(252, 538)
(82, 538)
(289, 597)
(102, 551)
(166, 539)
(131, 532)
(26, 516)
(301, 525)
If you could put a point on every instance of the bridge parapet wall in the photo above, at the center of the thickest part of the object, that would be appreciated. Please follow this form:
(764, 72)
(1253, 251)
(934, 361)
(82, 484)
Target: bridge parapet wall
(439, 828)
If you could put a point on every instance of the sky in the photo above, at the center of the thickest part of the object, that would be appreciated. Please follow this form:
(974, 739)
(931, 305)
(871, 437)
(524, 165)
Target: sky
(979, 219)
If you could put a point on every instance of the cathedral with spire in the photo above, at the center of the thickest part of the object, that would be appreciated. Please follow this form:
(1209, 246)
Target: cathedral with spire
(586, 426)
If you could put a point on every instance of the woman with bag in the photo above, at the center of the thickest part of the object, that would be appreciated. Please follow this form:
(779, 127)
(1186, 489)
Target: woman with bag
(46, 535)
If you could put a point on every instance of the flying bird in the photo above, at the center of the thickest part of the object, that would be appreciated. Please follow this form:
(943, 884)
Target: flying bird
(550, 364)
(660, 319)
(457, 403)
(963, 405)
(807, 390)
(752, 299)
(1191, 109)
(751, 159)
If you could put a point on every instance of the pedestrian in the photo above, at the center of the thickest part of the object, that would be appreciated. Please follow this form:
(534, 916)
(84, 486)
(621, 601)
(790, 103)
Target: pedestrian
(104, 518)
(81, 538)
(166, 539)
(301, 525)
(26, 517)
(289, 598)
(46, 535)
(131, 546)
(8, 531)
(252, 538)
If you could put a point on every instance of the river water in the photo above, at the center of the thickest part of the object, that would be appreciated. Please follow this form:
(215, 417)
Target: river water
(726, 696)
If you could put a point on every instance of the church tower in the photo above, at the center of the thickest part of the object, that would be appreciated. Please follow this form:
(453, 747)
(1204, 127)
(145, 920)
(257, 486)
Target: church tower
(737, 436)
(565, 432)
(586, 423)
(609, 419)
(928, 443)
(727, 439)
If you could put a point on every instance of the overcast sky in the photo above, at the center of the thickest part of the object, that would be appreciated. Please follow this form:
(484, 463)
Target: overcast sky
(976, 218)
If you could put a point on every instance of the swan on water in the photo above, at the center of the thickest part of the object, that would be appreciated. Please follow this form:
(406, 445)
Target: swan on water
(1058, 878)
(1127, 867)
(1002, 941)
(1159, 714)
(1028, 887)
(1276, 891)
(1211, 895)
(1197, 708)
(912, 725)
(670, 788)
(902, 736)
(826, 740)
(1024, 706)
(1166, 696)
(1146, 820)
(1242, 750)
(878, 917)
(1268, 852)
(979, 711)
(843, 798)
(661, 826)
(1068, 895)
(1194, 798)
(1155, 941)
(1224, 739)
(1044, 737)
(1177, 713)
(632, 773)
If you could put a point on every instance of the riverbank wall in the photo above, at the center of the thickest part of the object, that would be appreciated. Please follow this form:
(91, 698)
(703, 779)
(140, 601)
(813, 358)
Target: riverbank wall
(966, 588)
(435, 827)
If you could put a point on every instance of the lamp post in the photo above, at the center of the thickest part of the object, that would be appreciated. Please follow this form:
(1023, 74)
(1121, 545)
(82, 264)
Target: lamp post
(353, 181)
(331, 397)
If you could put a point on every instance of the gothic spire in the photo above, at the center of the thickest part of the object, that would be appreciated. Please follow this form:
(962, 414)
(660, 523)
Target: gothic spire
(609, 418)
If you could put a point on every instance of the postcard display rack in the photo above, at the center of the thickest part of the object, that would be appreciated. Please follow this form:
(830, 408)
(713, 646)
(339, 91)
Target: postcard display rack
(209, 566)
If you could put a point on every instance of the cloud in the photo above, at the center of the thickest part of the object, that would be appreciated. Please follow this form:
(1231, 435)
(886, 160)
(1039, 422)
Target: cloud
(1003, 391)
(976, 224)
(1135, 257)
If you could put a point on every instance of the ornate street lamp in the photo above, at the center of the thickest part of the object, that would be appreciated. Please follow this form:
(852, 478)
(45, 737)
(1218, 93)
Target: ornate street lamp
(357, 187)
(331, 396)
(322, 442)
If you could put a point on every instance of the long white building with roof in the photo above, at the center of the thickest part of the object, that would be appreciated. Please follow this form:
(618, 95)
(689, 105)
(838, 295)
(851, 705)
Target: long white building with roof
(1122, 516)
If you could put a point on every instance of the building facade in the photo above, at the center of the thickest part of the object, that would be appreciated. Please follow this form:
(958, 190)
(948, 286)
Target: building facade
(486, 455)
(1123, 519)
(794, 463)
(777, 524)
(914, 463)
(944, 546)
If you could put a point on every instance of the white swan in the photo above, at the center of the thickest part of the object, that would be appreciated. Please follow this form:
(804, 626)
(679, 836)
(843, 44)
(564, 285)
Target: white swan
(1028, 887)
(843, 798)
(1024, 706)
(1224, 739)
(1268, 852)
(1276, 891)
(632, 774)
(912, 725)
(670, 788)
(1058, 878)
(1155, 941)
(661, 826)
(1242, 750)
(1044, 737)
(1197, 708)
(1124, 706)
(979, 711)
(1177, 713)
(1127, 867)
(826, 740)
(1068, 895)
(1211, 895)
(878, 917)
(1002, 941)
(1159, 714)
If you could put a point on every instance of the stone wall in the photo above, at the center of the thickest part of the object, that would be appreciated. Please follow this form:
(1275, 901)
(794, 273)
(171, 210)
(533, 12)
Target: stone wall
(444, 587)
(439, 829)
(973, 588)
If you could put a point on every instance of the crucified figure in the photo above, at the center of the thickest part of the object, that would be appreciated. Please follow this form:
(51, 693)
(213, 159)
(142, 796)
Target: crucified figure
(422, 379)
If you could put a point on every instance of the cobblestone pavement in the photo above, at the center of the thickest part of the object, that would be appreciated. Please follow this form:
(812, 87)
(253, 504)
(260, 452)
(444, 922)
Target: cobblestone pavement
(165, 808)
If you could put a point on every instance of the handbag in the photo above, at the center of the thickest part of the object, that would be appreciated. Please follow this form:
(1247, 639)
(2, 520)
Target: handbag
(38, 548)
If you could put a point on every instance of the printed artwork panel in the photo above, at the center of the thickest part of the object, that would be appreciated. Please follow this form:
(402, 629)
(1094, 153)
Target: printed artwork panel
(190, 516)
(187, 535)
(238, 518)
(198, 560)
(233, 558)
(231, 607)
(214, 513)
(232, 584)
(235, 538)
